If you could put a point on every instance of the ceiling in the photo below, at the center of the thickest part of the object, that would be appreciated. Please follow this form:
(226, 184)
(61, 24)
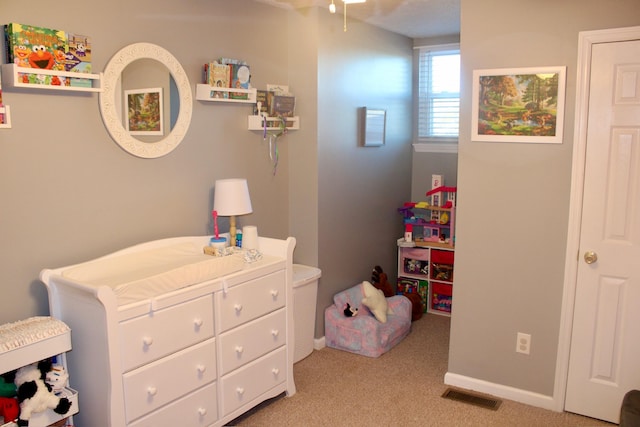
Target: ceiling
(412, 18)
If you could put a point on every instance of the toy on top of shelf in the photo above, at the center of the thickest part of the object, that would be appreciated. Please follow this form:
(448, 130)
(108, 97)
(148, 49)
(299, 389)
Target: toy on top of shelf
(443, 196)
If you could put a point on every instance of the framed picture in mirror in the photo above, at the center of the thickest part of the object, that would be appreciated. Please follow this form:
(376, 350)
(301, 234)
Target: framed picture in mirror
(144, 111)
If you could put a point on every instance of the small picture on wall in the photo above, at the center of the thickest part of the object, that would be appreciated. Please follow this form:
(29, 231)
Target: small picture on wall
(144, 111)
(518, 105)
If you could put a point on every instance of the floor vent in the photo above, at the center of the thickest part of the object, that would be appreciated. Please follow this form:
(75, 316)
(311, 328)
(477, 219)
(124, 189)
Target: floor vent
(473, 399)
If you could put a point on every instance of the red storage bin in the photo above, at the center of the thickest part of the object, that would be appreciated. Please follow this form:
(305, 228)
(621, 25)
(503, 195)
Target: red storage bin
(441, 294)
(442, 265)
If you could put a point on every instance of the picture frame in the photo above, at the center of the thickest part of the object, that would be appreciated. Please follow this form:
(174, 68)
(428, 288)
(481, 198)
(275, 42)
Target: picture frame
(144, 111)
(373, 127)
(521, 105)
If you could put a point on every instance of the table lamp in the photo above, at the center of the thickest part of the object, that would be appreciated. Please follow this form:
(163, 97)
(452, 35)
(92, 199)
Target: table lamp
(231, 198)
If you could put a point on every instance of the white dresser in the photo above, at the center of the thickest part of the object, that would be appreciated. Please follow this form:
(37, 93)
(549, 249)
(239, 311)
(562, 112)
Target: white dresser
(194, 353)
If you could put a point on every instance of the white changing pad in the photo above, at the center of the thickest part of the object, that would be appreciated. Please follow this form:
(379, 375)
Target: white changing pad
(136, 276)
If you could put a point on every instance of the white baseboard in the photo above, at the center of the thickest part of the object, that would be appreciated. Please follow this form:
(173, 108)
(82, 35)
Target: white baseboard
(502, 391)
(318, 343)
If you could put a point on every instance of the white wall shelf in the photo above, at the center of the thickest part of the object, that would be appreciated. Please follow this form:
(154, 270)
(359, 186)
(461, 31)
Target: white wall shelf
(273, 123)
(4, 110)
(11, 77)
(205, 92)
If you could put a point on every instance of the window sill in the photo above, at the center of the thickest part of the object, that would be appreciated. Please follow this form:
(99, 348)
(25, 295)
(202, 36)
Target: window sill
(436, 147)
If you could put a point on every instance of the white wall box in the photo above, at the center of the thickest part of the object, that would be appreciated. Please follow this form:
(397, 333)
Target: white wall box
(199, 353)
(12, 78)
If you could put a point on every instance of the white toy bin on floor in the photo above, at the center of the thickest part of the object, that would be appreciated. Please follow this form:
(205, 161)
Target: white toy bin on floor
(305, 294)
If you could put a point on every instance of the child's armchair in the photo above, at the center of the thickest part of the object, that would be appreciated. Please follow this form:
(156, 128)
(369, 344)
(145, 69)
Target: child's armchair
(364, 334)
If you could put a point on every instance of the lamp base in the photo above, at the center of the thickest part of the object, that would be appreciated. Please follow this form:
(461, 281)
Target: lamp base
(232, 230)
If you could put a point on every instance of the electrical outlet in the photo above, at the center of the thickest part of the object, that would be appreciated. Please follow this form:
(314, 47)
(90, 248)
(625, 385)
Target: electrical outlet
(523, 343)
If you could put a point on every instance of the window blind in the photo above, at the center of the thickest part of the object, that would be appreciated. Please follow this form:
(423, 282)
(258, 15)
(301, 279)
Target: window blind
(438, 93)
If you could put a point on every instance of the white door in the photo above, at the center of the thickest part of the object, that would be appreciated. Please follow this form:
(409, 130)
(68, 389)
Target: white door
(604, 361)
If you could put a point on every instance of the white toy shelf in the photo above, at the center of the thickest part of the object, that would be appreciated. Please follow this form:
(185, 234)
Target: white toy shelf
(29, 341)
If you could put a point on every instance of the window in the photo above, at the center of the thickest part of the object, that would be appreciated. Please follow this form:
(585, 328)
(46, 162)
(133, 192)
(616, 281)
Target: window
(438, 93)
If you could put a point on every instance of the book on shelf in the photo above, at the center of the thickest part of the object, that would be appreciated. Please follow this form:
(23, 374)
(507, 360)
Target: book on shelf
(261, 107)
(240, 77)
(283, 106)
(78, 59)
(31, 46)
(78, 56)
(231, 61)
(219, 76)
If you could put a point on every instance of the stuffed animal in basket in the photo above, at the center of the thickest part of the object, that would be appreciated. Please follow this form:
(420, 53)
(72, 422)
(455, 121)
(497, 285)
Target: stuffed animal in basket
(34, 395)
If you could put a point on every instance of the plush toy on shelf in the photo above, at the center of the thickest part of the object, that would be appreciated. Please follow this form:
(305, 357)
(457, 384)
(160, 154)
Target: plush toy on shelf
(7, 387)
(9, 408)
(34, 395)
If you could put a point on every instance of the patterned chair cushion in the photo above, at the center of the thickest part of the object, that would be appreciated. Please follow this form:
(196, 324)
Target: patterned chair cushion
(364, 334)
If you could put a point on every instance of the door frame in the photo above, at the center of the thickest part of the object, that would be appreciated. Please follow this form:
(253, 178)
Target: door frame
(586, 40)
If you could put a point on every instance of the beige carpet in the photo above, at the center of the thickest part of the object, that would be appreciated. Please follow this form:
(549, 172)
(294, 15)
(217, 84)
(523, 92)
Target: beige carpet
(400, 388)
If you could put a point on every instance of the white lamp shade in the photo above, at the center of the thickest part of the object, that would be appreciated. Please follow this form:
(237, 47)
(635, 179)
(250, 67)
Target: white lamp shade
(231, 197)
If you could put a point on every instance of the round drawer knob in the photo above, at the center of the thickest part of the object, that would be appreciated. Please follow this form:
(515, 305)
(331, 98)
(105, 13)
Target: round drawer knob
(274, 293)
(275, 371)
(275, 333)
(240, 391)
(238, 308)
(152, 391)
(239, 349)
(147, 341)
(198, 323)
(201, 369)
(202, 411)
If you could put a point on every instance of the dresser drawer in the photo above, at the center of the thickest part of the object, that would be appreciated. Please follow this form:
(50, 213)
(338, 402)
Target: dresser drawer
(250, 341)
(250, 381)
(194, 410)
(157, 334)
(250, 300)
(160, 382)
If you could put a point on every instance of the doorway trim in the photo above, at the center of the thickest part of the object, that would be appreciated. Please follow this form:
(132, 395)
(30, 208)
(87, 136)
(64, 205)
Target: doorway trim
(586, 40)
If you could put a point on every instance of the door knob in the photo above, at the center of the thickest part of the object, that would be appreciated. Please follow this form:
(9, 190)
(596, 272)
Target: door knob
(590, 257)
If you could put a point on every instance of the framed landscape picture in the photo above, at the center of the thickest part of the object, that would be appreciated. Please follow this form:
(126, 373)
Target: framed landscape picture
(518, 105)
(144, 111)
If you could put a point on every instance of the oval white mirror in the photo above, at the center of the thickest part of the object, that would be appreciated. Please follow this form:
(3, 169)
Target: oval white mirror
(111, 101)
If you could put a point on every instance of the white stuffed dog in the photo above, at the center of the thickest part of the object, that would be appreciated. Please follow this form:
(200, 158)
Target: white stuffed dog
(34, 395)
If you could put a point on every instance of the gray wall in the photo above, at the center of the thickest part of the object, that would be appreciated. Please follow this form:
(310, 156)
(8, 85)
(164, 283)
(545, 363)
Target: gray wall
(513, 199)
(360, 188)
(69, 193)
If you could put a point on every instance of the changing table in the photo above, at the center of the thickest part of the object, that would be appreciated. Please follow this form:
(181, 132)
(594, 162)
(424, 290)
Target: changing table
(164, 335)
